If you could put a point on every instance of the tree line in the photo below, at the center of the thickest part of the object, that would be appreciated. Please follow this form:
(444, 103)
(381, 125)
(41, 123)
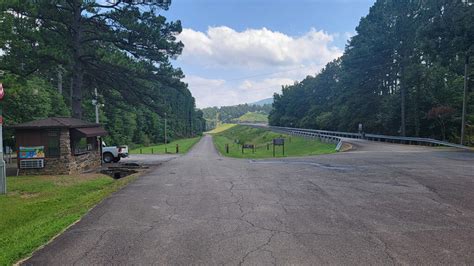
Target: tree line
(403, 73)
(228, 114)
(54, 53)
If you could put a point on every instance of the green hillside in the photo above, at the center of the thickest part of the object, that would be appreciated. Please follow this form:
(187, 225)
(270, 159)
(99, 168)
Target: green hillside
(253, 117)
(294, 146)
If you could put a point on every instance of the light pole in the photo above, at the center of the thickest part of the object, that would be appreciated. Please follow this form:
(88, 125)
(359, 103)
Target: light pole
(95, 102)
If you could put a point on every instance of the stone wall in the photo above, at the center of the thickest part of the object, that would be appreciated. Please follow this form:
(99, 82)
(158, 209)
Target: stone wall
(66, 163)
(85, 162)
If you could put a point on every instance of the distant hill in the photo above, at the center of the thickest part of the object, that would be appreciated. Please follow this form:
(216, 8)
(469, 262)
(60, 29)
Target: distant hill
(253, 117)
(263, 102)
(227, 114)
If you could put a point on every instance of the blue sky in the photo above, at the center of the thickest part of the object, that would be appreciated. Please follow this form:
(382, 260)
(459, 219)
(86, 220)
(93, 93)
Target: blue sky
(243, 51)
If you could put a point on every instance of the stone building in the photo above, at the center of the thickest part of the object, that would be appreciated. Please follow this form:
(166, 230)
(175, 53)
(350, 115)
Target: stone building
(58, 145)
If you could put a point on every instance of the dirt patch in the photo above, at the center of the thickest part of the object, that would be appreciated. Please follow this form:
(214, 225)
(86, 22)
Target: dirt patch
(346, 147)
(26, 195)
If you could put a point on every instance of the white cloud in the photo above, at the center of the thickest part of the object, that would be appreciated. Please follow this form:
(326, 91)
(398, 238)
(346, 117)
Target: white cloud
(210, 92)
(260, 60)
(215, 92)
(255, 48)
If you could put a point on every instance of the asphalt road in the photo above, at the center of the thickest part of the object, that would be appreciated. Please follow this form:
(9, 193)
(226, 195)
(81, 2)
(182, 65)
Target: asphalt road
(381, 204)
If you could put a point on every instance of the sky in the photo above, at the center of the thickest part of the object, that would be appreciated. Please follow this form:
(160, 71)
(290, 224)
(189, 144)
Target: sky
(242, 51)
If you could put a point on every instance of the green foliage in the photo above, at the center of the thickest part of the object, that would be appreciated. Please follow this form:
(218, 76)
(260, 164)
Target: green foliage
(122, 50)
(184, 146)
(294, 146)
(29, 99)
(37, 208)
(406, 59)
(227, 114)
(220, 128)
(252, 117)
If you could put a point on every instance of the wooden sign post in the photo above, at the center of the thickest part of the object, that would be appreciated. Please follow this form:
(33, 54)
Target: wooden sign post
(248, 146)
(279, 142)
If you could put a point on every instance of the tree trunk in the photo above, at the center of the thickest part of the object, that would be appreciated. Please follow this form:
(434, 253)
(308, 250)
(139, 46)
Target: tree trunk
(60, 81)
(78, 76)
(78, 68)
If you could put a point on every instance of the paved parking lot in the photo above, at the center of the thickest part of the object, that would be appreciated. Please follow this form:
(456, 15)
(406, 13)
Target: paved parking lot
(376, 205)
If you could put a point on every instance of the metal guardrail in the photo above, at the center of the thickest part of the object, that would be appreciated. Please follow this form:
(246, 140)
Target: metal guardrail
(337, 137)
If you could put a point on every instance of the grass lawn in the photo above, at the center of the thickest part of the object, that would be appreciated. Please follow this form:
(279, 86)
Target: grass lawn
(253, 117)
(184, 146)
(297, 146)
(221, 127)
(36, 208)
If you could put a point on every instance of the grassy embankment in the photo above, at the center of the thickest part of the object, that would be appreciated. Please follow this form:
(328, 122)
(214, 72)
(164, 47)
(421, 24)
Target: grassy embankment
(294, 146)
(36, 208)
(220, 128)
(184, 146)
(253, 117)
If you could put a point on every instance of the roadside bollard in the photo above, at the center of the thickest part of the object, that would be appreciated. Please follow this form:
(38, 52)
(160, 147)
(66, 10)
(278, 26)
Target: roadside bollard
(152, 152)
(141, 151)
(177, 148)
(227, 148)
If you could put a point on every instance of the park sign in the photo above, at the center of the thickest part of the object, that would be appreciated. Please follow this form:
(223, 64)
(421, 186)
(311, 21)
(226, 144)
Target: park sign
(248, 146)
(279, 142)
(35, 152)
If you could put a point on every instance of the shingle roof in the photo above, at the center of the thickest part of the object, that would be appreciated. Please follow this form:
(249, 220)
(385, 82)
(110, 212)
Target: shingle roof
(55, 122)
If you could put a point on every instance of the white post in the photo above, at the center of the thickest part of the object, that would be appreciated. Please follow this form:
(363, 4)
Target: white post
(95, 102)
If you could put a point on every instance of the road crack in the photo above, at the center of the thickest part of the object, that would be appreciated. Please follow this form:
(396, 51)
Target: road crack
(258, 248)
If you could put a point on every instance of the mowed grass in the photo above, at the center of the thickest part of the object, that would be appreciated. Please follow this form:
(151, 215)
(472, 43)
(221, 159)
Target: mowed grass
(294, 146)
(36, 208)
(253, 117)
(184, 146)
(221, 128)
